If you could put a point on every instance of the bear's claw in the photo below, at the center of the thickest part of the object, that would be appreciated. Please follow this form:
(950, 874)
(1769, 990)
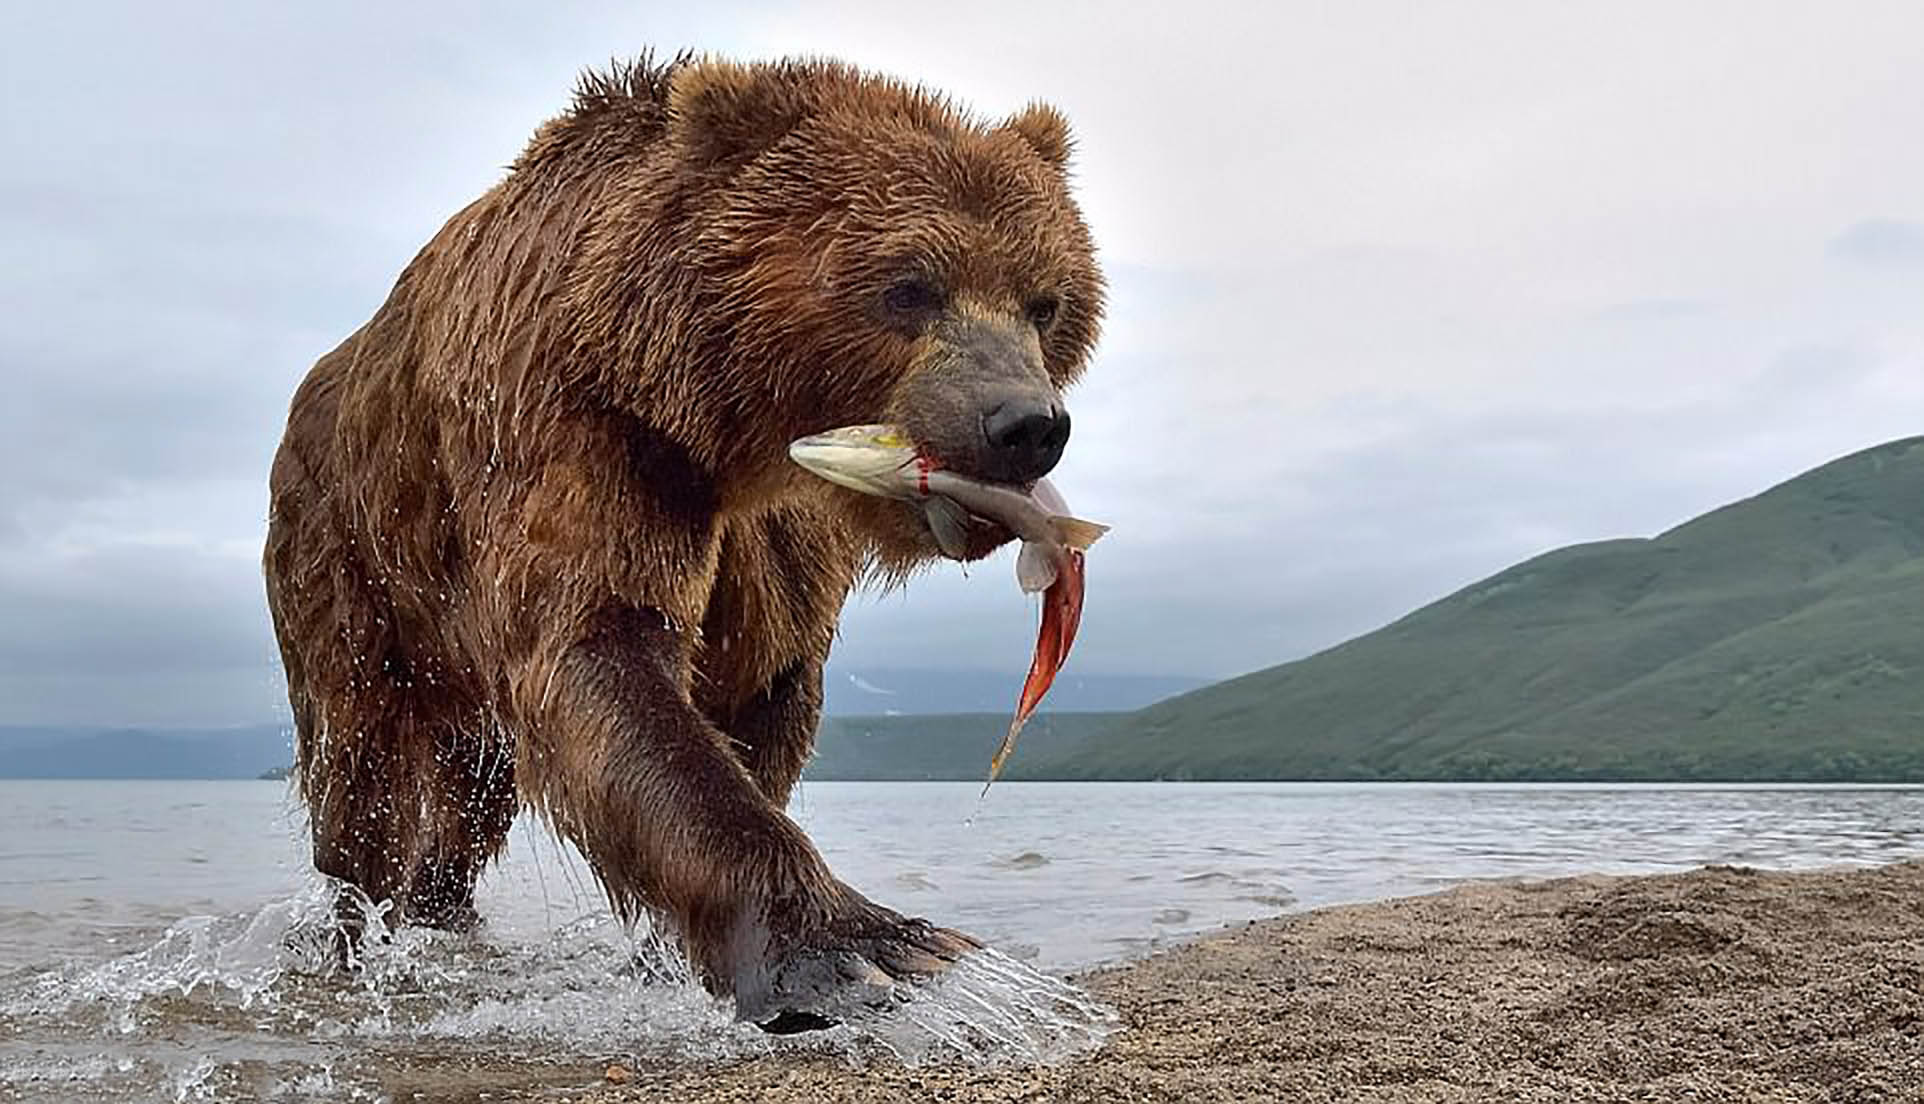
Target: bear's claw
(814, 986)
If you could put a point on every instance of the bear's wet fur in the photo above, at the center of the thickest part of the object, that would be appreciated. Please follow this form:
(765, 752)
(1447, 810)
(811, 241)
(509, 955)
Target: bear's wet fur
(534, 538)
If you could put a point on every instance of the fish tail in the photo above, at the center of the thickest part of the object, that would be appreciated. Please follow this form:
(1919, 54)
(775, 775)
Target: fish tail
(1075, 532)
(1001, 756)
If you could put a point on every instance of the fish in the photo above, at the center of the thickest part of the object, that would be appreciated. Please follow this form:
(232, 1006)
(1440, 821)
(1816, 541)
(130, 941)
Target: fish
(880, 460)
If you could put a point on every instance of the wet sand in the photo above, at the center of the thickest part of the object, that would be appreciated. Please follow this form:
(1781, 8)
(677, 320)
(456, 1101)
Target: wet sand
(1719, 984)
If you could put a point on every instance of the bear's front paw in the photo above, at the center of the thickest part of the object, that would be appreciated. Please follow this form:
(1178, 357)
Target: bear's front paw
(850, 970)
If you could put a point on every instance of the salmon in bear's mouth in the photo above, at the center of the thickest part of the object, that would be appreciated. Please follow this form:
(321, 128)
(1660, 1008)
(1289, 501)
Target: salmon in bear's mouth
(883, 461)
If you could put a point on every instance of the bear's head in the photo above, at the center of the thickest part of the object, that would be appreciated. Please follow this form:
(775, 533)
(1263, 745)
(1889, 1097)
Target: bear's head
(853, 250)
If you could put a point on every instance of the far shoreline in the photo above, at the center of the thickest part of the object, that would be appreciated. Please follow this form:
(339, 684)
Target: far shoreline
(284, 774)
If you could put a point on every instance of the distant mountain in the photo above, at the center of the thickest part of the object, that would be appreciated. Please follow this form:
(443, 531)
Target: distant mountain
(953, 747)
(1781, 637)
(143, 753)
(864, 691)
(949, 723)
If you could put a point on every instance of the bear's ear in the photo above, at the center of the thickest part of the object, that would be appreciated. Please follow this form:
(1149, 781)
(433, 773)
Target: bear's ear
(723, 113)
(1046, 132)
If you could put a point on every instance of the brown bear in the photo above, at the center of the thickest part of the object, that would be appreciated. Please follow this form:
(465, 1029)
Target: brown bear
(535, 540)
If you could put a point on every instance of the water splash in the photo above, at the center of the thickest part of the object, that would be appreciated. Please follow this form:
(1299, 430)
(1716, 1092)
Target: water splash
(196, 1082)
(274, 1009)
(990, 1009)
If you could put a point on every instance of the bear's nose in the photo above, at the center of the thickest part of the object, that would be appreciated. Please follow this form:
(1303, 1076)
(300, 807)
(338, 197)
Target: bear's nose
(1026, 437)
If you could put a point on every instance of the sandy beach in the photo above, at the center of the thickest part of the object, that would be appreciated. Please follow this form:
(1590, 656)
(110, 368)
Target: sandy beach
(1719, 984)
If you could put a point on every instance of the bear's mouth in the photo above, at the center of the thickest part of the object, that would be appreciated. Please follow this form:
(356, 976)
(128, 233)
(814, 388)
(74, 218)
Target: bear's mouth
(955, 532)
(979, 536)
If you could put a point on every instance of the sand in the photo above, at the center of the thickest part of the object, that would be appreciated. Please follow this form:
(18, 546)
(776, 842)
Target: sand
(1719, 984)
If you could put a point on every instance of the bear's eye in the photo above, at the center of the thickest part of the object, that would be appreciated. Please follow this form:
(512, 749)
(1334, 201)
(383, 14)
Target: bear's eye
(911, 297)
(1042, 311)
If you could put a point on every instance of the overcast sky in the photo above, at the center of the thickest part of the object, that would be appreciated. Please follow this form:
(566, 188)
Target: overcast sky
(1403, 293)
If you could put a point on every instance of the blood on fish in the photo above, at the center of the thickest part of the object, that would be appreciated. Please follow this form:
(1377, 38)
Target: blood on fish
(1061, 615)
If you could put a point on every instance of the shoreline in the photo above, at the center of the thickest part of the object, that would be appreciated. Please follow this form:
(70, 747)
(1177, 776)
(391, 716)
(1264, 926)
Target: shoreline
(1722, 983)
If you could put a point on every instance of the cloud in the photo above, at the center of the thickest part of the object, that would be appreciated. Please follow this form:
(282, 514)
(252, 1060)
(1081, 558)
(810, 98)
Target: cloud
(1881, 241)
(1657, 311)
(135, 634)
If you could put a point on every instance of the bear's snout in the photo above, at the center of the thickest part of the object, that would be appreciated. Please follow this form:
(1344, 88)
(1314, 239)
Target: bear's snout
(979, 401)
(1024, 437)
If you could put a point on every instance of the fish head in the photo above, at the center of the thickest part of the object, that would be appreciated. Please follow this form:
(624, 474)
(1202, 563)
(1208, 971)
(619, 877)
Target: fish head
(874, 460)
(889, 474)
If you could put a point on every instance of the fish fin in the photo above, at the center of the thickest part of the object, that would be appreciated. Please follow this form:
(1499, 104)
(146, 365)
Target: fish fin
(1035, 569)
(950, 524)
(1075, 532)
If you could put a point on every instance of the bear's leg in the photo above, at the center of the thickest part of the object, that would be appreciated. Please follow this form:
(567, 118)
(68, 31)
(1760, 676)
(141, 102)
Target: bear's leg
(357, 783)
(406, 805)
(775, 730)
(780, 583)
(474, 807)
(672, 821)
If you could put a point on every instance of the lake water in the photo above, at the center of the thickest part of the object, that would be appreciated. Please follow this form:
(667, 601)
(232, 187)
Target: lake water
(157, 940)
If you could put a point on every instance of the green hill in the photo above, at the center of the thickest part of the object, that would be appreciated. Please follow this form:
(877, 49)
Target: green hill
(1781, 637)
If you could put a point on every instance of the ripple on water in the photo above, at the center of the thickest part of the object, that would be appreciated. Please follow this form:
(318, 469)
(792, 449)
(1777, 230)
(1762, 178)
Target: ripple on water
(267, 1010)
